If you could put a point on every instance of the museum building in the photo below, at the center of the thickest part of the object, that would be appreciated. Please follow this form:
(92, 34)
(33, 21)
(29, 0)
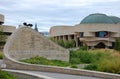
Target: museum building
(95, 30)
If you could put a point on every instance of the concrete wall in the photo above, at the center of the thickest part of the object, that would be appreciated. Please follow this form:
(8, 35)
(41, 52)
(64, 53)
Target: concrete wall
(7, 28)
(26, 43)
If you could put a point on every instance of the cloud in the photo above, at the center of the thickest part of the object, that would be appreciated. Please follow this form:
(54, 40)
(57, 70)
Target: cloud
(48, 13)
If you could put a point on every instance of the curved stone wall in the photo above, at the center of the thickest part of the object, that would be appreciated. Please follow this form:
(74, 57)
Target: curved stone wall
(26, 42)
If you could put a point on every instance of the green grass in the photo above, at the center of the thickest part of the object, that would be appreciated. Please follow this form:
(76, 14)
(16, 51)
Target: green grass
(44, 61)
(86, 57)
(6, 75)
(109, 65)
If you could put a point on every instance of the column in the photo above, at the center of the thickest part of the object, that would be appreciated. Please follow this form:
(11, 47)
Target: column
(76, 40)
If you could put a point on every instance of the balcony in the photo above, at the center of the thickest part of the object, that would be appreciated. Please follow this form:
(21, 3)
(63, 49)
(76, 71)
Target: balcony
(97, 39)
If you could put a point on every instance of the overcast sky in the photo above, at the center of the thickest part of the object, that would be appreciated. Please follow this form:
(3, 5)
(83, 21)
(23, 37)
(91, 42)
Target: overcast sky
(48, 13)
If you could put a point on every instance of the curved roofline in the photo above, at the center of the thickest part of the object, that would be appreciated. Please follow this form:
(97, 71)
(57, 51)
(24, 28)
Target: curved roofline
(100, 18)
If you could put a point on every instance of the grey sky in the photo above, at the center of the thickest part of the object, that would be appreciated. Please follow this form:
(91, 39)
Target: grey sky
(48, 13)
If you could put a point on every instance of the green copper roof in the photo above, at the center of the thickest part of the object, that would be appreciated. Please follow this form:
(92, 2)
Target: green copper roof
(115, 19)
(97, 18)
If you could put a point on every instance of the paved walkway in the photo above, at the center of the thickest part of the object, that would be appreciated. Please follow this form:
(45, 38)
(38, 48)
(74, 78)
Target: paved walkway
(63, 76)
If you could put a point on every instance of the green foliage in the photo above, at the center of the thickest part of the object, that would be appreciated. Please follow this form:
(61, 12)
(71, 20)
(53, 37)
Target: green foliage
(6, 75)
(66, 44)
(74, 66)
(91, 67)
(98, 60)
(109, 65)
(69, 43)
(2, 38)
(81, 56)
(44, 61)
(61, 43)
(1, 55)
(52, 39)
(117, 45)
(83, 48)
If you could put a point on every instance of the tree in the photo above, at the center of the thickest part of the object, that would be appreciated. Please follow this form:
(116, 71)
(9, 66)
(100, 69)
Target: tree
(2, 38)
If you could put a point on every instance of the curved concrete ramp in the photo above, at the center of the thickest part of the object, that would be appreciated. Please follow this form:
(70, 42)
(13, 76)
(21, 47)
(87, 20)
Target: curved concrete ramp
(26, 42)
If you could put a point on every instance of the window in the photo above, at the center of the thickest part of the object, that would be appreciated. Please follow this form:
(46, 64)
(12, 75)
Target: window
(81, 34)
(103, 34)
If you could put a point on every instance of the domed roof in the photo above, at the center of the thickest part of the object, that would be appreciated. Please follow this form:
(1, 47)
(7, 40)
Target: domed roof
(97, 18)
(115, 19)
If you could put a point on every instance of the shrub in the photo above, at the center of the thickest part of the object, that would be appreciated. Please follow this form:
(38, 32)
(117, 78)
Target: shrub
(117, 45)
(83, 47)
(74, 66)
(91, 67)
(6, 75)
(80, 56)
(61, 43)
(1, 55)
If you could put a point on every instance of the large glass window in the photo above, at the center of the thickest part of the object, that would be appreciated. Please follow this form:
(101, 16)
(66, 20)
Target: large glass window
(102, 34)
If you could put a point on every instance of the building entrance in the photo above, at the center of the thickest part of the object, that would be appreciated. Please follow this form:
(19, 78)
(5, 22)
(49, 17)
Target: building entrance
(100, 45)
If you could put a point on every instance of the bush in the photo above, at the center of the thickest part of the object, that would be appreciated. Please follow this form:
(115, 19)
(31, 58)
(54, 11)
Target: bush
(86, 57)
(91, 67)
(83, 48)
(1, 55)
(74, 66)
(80, 56)
(61, 43)
(66, 44)
(117, 45)
(6, 75)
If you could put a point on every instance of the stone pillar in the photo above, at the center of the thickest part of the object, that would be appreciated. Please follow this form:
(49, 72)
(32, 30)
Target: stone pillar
(76, 40)
(64, 38)
(69, 37)
(58, 37)
(55, 38)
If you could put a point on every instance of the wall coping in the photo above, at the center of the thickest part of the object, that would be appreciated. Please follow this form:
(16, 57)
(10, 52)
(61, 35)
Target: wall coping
(38, 76)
